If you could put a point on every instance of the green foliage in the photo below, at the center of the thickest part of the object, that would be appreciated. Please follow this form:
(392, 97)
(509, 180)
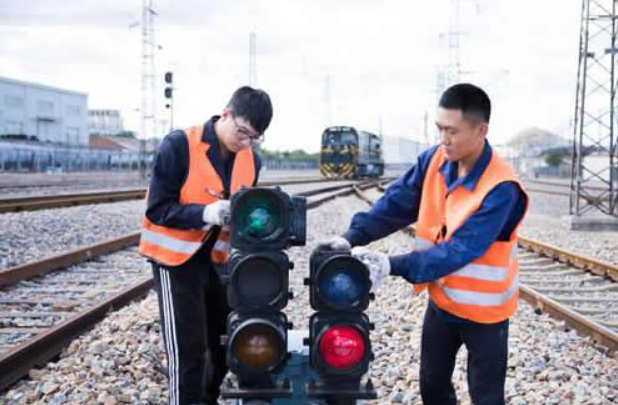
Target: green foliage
(297, 155)
(127, 134)
(555, 158)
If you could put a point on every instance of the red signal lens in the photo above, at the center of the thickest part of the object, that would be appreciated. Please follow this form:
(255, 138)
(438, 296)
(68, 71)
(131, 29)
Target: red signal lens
(342, 347)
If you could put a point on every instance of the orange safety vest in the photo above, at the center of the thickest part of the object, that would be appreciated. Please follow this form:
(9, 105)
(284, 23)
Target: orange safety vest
(486, 290)
(173, 247)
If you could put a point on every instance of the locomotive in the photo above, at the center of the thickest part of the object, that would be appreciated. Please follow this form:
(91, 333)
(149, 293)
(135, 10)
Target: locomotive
(348, 153)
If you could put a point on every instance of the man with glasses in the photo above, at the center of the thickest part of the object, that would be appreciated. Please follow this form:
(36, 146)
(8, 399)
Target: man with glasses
(185, 235)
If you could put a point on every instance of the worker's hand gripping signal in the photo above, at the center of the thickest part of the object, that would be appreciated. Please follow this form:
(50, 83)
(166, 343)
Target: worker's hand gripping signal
(378, 264)
(217, 213)
(336, 243)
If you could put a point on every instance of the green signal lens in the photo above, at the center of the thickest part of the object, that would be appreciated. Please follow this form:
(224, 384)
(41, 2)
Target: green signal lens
(260, 216)
(260, 222)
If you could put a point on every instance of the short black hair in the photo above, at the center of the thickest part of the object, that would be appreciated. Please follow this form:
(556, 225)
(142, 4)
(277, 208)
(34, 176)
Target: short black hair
(470, 99)
(254, 105)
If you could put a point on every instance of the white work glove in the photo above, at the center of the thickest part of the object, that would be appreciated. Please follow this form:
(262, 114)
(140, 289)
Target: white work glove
(338, 243)
(378, 264)
(217, 213)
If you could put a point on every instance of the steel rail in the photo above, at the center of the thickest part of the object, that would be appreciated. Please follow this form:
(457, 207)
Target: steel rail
(544, 303)
(559, 184)
(595, 266)
(18, 360)
(33, 203)
(15, 274)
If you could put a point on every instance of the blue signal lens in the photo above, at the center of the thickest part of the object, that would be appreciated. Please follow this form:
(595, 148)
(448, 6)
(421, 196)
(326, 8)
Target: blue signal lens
(341, 287)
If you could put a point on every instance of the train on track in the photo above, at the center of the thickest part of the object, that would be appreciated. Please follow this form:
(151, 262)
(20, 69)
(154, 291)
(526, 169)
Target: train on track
(347, 153)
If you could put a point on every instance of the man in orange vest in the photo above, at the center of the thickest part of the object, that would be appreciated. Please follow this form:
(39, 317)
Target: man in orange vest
(185, 236)
(468, 205)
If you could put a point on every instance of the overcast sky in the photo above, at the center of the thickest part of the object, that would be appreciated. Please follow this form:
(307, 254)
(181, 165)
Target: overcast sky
(382, 58)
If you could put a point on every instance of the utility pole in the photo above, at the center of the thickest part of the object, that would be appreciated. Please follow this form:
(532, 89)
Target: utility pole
(449, 68)
(426, 129)
(327, 102)
(148, 105)
(594, 164)
(253, 60)
(450, 65)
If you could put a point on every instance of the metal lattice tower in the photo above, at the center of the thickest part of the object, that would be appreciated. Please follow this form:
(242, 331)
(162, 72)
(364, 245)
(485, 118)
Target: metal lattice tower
(449, 70)
(148, 106)
(252, 60)
(327, 101)
(594, 185)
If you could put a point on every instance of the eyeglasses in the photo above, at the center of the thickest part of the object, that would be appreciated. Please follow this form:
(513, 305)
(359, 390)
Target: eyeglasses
(245, 135)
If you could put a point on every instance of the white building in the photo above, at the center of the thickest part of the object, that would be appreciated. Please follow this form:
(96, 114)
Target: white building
(401, 151)
(36, 112)
(104, 122)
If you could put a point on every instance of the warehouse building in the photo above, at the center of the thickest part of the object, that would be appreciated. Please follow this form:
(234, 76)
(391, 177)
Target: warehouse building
(40, 113)
(104, 122)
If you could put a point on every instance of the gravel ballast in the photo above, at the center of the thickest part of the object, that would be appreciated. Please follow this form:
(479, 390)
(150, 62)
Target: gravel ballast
(117, 361)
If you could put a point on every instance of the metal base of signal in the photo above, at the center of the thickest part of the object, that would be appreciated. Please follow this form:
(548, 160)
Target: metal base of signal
(302, 382)
(341, 394)
(282, 389)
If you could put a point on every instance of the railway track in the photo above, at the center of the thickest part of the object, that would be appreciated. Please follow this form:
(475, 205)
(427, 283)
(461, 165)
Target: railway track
(563, 189)
(46, 304)
(33, 203)
(579, 290)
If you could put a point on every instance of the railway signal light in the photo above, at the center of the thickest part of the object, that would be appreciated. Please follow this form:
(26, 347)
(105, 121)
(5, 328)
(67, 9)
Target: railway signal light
(256, 348)
(339, 332)
(168, 92)
(339, 283)
(267, 218)
(264, 221)
(258, 281)
(169, 78)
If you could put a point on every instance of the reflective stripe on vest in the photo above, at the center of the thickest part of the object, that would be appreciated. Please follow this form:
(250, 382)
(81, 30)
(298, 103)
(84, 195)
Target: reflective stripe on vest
(485, 290)
(173, 247)
(220, 253)
(482, 272)
(479, 298)
(169, 243)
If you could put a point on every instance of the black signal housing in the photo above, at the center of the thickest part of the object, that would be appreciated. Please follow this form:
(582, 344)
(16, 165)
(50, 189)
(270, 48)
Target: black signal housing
(267, 218)
(258, 281)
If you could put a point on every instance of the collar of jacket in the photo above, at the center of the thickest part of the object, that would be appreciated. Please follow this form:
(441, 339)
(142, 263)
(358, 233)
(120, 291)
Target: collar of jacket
(209, 135)
(469, 181)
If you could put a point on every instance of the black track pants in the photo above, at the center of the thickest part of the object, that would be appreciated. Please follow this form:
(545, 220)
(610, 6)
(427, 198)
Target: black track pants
(193, 314)
(487, 346)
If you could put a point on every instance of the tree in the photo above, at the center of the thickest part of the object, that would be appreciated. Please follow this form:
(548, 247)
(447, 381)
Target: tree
(126, 134)
(297, 155)
(555, 158)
